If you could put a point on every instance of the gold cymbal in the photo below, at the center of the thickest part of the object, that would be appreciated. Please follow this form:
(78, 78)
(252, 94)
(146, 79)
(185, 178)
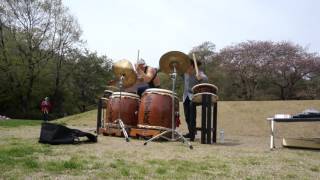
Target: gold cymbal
(125, 68)
(174, 58)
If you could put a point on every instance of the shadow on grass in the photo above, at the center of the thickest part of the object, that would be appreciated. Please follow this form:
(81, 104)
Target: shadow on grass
(230, 142)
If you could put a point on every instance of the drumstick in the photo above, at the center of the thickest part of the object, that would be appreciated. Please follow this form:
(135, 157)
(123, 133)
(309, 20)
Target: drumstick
(195, 64)
(135, 68)
(138, 55)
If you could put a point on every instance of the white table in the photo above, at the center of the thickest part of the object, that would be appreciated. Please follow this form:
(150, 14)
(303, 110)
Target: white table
(285, 120)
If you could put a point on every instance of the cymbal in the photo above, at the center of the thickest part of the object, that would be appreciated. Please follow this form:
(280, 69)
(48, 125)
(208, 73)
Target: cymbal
(125, 68)
(174, 58)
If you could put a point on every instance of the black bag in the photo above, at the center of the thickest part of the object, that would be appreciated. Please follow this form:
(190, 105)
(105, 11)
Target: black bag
(59, 134)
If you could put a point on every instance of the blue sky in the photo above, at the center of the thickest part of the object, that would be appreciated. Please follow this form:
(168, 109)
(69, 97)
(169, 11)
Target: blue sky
(118, 28)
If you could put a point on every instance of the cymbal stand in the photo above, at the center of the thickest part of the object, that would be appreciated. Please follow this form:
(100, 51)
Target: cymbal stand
(173, 131)
(119, 120)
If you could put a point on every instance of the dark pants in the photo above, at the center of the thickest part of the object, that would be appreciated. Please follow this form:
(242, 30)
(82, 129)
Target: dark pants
(190, 113)
(45, 116)
(141, 90)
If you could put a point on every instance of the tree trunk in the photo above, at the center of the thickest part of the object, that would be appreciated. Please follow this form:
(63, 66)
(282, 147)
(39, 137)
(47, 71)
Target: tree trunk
(282, 93)
(57, 99)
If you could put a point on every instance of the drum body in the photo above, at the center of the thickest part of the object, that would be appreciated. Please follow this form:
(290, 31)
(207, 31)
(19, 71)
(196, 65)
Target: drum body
(104, 102)
(204, 88)
(155, 111)
(128, 107)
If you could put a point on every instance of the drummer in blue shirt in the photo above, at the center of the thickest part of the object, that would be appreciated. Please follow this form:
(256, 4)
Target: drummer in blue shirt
(192, 77)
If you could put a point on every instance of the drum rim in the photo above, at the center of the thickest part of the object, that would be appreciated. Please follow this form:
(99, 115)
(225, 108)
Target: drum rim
(124, 94)
(160, 93)
(204, 84)
(107, 90)
(154, 90)
(158, 89)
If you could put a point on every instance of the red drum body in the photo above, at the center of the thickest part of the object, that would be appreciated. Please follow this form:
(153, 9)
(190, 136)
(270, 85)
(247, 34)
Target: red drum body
(104, 102)
(205, 88)
(128, 106)
(155, 110)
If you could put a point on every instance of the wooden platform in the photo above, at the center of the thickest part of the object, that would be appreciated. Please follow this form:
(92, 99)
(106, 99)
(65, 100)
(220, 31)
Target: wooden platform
(133, 132)
(309, 143)
(143, 133)
(111, 131)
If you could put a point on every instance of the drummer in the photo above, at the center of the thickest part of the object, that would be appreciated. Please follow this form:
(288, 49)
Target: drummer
(148, 75)
(191, 79)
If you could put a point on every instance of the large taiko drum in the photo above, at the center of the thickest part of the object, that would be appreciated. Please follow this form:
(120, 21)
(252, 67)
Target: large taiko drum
(128, 107)
(204, 89)
(155, 111)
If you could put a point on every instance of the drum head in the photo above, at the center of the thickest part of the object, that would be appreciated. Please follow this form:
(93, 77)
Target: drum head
(160, 91)
(108, 91)
(211, 86)
(124, 94)
(197, 98)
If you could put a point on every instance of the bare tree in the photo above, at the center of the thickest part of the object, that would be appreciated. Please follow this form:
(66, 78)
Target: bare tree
(66, 34)
(41, 30)
(29, 22)
(245, 62)
(204, 52)
(289, 65)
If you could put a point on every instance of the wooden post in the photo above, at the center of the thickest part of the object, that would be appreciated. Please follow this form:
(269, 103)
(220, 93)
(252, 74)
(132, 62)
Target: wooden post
(214, 129)
(272, 134)
(209, 118)
(203, 120)
(99, 115)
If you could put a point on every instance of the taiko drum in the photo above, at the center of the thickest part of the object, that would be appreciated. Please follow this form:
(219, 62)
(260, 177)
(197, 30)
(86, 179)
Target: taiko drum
(128, 106)
(155, 111)
(204, 88)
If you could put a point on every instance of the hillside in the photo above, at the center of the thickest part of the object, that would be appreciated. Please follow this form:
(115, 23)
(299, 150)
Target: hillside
(238, 118)
(245, 153)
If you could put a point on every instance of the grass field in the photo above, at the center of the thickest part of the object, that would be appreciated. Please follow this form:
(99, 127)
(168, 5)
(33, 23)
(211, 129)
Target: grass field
(244, 155)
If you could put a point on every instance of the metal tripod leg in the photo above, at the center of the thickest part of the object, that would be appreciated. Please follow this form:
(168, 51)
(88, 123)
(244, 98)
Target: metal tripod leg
(170, 131)
(123, 129)
(184, 139)
(156, 137)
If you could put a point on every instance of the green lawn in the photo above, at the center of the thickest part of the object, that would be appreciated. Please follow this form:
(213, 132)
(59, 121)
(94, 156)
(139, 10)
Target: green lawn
(19, 122)
(244, 155)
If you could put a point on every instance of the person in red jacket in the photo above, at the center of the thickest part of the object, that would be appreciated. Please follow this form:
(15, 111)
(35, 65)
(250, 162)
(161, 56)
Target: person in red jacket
(45, 108)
